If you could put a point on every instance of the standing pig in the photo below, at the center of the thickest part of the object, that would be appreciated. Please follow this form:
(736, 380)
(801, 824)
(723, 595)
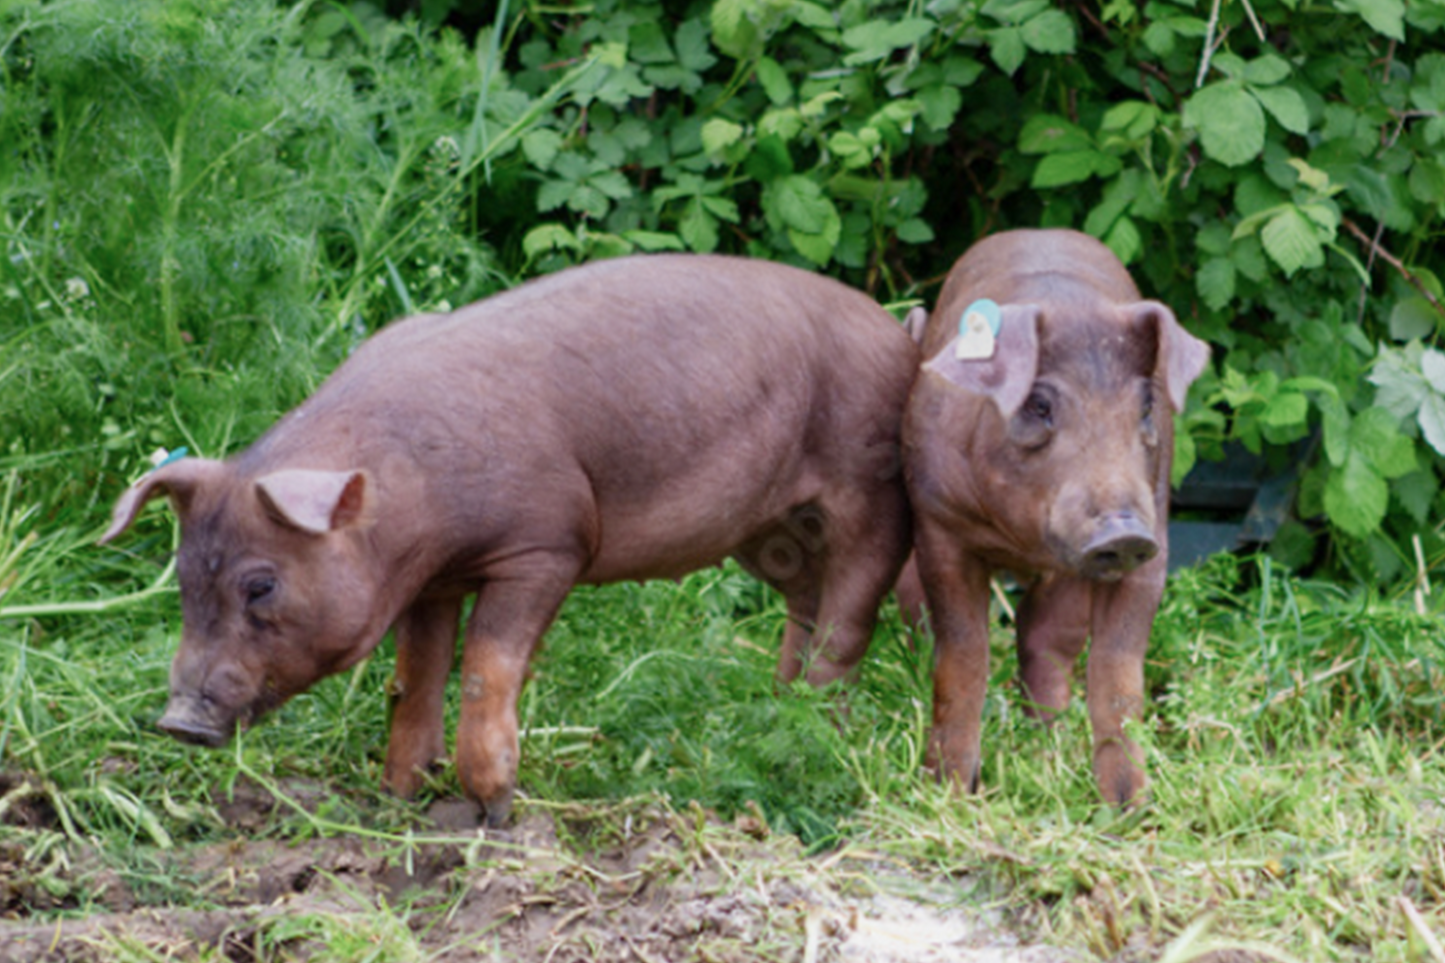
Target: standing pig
(1038, 439)
(630, 419)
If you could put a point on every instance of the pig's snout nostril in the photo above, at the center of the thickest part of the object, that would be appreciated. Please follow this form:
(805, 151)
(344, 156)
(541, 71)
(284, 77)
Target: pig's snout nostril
(187, 722)
(193, 734)
(1121, 545)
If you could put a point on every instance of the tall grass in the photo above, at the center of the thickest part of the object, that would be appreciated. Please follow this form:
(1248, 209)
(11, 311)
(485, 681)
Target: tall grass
(205, 205)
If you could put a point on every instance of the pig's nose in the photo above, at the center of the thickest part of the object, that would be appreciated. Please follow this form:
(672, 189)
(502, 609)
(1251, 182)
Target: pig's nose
(185, 721)
(1120, 544)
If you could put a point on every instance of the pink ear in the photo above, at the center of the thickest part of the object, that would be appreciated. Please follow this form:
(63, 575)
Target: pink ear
(180, 479)
(914, 324)
(1009, 374)
(1182, 356)
(314, 501)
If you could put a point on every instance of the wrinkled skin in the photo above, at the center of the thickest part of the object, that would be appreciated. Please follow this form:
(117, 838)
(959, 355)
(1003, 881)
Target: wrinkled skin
(631, 419)
(1051, 460)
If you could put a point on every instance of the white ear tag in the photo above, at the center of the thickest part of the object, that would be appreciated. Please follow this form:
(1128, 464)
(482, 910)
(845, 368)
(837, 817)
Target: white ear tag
(978, 331)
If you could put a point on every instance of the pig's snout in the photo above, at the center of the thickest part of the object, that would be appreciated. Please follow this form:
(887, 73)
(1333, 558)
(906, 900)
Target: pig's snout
(1121, 543)
(192, 720)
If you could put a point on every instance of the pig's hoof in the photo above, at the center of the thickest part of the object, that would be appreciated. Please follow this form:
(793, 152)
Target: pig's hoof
(497, 810)
(1122, 781)
(965, 777)
(405, 781)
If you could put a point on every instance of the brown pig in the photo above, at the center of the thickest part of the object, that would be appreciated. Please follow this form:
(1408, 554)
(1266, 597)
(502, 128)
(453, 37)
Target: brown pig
(630, 419)
(1038, 440)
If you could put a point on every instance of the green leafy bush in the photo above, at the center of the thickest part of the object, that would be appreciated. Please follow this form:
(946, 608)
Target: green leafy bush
(1270, 170)
(206, 203)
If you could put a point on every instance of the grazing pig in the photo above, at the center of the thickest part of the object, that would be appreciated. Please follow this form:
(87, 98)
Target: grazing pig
(630, 419)
(1038, 440)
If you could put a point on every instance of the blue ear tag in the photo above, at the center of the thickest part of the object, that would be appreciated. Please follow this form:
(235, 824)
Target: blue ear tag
(978, 331)
(162, 458)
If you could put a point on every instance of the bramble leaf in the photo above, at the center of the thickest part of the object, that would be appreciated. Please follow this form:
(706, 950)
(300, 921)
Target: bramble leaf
(733, 32)
(1230, 122)
(540, 147)
(1335, 421)
(1124, 240)
(1375, 436)
(1432, 421)
(876, 39)
(774, 80)
(1215, 282)
(1006, 47)
(940, 105)
(1416, 492)
(1266, 71)
(915, 231)
(1356, 497)
(1383, 16)
(1286, 409)
(698, 227)
(1286, 106)
(1400, 388)
(719, 134)
(1432, 366)
(1412, 318)
(1071, 167)
(548, 237)
(1291, 241)
(1051, 32)
(1050, 133)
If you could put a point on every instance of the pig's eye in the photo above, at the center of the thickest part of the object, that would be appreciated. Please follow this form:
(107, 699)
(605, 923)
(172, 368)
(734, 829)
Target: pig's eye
(1033, 425)
(1039, 407)
(259, 588)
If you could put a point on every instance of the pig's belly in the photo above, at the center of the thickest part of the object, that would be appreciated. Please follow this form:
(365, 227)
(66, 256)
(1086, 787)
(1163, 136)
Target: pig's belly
(671, 540)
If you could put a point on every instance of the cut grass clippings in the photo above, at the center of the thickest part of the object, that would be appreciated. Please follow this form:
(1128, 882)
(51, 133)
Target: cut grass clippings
(1301, 827)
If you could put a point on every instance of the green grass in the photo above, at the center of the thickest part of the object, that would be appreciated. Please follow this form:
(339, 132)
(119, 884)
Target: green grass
(1294, 745)
(279, 209)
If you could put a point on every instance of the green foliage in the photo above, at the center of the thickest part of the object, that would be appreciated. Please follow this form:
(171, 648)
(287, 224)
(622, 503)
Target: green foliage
(1218, 157)
(205, 204)
(194, 189)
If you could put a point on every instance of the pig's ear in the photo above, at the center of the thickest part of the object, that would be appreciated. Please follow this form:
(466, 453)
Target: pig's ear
(180, 480)
(1182, 356)
(314, 501)
(914, 324)
(1008, 374)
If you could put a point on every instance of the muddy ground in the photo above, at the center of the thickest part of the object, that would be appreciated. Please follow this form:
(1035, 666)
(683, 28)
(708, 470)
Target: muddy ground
(639, 882)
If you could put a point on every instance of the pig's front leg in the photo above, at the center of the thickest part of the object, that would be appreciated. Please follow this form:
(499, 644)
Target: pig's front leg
(510, 617)
(1123, 615)
(956, 584)
(426, 641)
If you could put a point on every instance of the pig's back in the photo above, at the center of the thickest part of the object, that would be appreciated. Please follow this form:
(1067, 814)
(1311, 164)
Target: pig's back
(652, 342)
(691, 396)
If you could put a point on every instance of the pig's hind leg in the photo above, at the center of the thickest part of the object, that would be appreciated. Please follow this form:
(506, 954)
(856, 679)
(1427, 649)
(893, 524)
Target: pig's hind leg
(1053, 627)
(426, 641)
(788, 558)
(868, 540)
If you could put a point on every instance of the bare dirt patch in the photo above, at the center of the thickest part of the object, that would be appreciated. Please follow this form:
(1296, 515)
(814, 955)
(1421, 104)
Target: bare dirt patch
(634, 882)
